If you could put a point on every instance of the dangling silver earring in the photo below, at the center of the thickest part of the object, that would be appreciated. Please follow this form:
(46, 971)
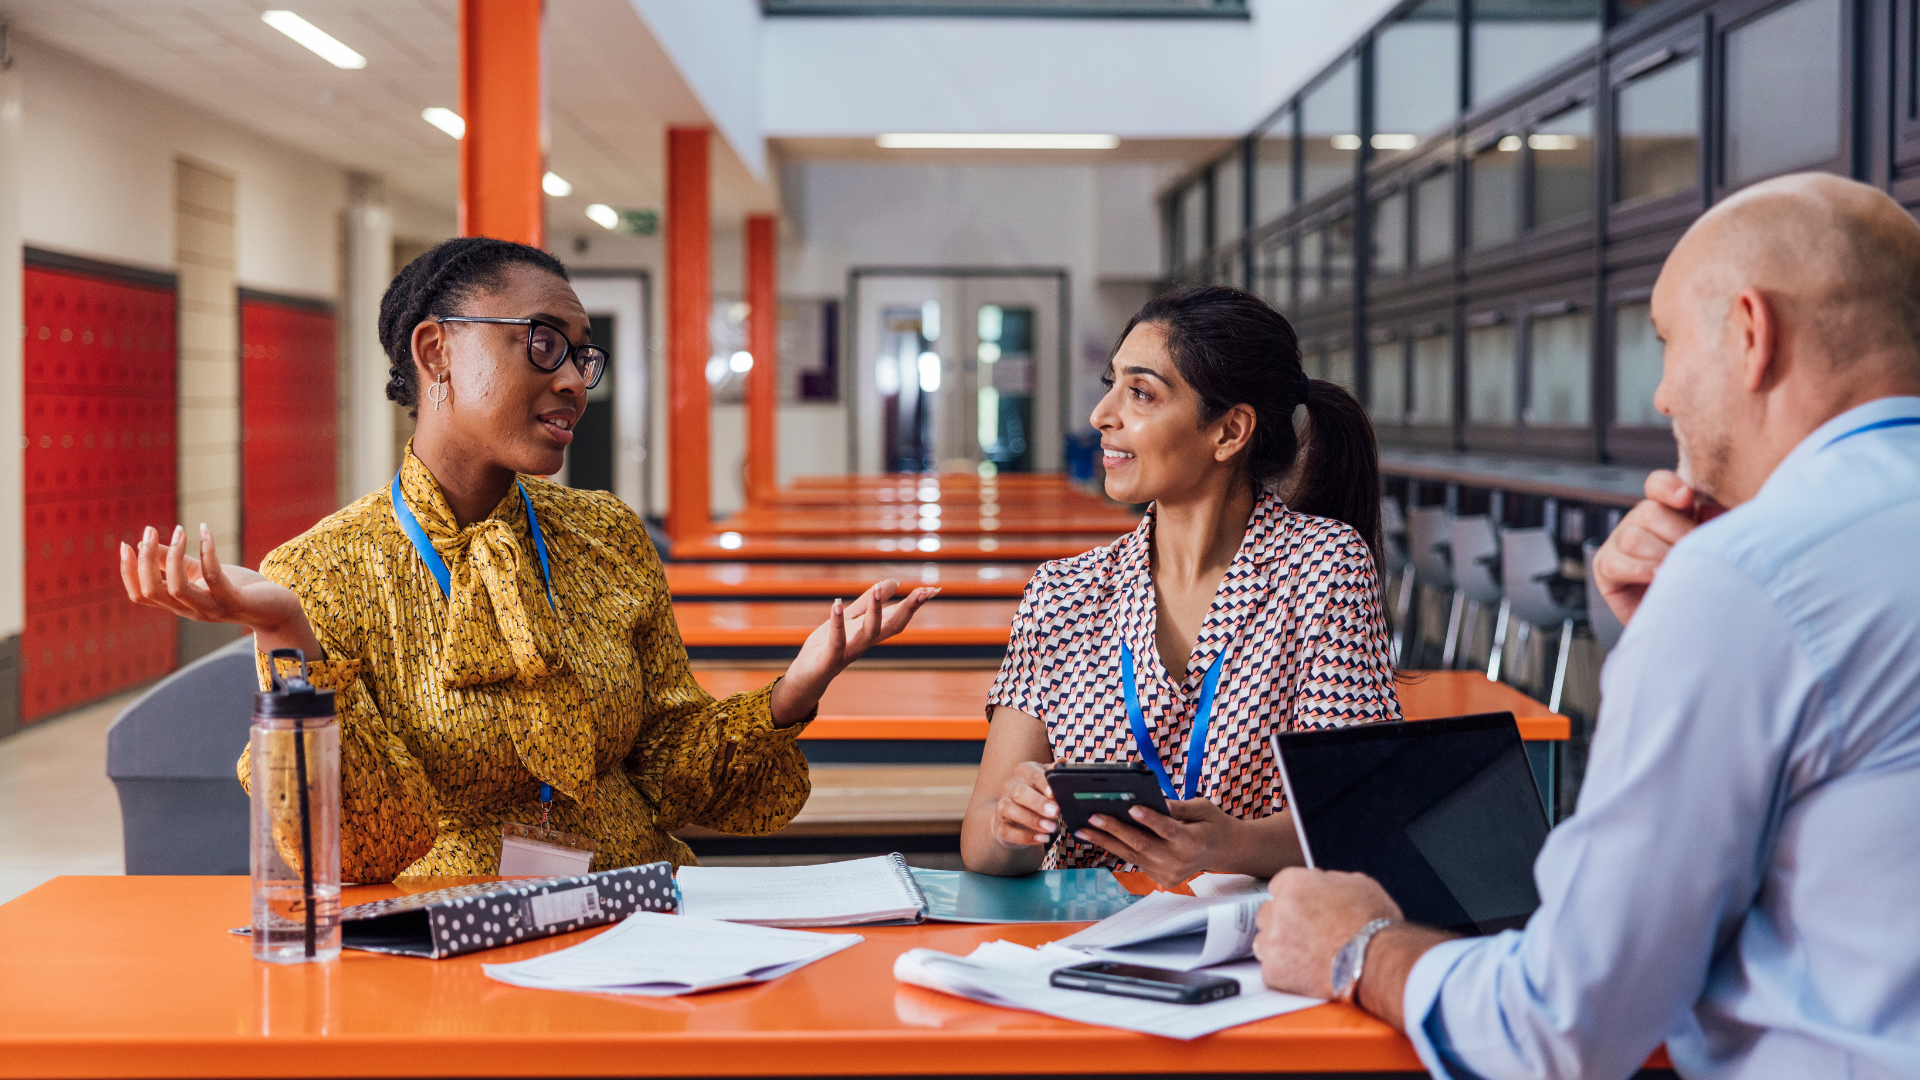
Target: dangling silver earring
(437, 392)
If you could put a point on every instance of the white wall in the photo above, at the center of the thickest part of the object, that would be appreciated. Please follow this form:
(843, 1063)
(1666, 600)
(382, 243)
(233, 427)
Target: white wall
(1130, 77)
(716, 45)
(97, 178)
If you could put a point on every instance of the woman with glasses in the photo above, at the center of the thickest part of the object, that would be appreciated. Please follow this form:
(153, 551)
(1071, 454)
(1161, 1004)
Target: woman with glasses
(503, 648)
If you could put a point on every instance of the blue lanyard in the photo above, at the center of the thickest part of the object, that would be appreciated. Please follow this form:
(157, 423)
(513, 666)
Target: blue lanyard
(1202, 718)
(411, 526)
(1898, 421)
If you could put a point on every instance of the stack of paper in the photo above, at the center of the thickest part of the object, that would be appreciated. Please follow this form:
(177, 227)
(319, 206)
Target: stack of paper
(876, 890)
(1167, 930)
(1212, 884)
(1014, 976)
(661, 955)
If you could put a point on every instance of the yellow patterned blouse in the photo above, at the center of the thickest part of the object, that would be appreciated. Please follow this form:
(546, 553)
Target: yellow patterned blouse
(453, 710)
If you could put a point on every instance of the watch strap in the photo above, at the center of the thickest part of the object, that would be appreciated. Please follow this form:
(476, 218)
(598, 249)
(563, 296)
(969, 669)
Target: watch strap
(1354, 955)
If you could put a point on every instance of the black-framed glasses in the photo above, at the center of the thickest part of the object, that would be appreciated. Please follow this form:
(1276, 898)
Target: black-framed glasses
(548, 347)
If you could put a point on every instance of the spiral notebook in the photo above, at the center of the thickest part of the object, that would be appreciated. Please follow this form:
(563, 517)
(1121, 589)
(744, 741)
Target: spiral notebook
(857, 892)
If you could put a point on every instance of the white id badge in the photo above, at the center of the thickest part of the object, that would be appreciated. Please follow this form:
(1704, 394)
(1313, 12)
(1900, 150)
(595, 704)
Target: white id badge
(531, 851)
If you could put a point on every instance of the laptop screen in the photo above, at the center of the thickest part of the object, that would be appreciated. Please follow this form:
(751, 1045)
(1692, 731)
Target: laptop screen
(1444, 814)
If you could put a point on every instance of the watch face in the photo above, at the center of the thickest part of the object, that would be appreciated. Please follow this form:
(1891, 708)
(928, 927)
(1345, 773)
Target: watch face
(1344, 964)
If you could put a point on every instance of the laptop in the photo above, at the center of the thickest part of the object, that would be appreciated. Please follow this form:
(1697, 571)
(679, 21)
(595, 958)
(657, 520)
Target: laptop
(1444, 814)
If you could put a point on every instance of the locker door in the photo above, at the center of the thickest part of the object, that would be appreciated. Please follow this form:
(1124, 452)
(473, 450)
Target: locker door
(287, 470)
(98, 359)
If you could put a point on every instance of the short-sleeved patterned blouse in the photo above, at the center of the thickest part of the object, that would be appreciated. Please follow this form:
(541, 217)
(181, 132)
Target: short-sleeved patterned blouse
(454, 708)
(1298, 614)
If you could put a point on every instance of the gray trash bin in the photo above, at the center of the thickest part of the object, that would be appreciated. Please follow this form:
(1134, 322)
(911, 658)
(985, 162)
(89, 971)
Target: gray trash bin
(171, 757)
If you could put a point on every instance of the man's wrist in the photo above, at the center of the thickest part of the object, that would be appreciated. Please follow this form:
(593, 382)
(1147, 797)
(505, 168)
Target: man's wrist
(1382, 987)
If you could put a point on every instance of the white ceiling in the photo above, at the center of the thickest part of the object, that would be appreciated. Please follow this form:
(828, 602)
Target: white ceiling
(612, 91)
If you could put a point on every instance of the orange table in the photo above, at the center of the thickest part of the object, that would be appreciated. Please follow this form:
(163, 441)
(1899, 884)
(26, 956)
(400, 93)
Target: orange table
(966, 625)
(738, 547)
(137, 977)
(767, 581)
(862, 518)
(894, 704)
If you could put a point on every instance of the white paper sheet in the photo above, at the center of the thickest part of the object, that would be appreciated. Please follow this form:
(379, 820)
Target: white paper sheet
(1014, 976)
(1211, 884)
(879, 889)
(660, 955)
(1169, 930)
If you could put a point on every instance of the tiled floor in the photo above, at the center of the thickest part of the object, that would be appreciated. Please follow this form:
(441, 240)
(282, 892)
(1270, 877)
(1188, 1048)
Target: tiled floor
(58, 811)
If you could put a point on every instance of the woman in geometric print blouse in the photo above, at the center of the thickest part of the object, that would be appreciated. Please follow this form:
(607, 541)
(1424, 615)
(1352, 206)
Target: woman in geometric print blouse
(461, 689)
(1279, 599)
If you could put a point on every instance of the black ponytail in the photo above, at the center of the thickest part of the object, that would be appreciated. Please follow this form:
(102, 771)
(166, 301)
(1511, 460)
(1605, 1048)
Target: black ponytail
(435, 284)
(1233, 348)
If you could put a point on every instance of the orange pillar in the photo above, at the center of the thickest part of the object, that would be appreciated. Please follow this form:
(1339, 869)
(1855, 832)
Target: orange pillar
(689, 305)
(763, 341)
(502, 98)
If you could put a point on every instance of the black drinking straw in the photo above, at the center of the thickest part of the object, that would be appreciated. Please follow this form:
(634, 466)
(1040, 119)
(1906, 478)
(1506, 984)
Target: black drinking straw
(306, 827)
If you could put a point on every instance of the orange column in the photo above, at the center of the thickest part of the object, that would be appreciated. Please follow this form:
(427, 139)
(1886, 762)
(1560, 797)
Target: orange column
(689, 305)
(763, 341)
(502, 98)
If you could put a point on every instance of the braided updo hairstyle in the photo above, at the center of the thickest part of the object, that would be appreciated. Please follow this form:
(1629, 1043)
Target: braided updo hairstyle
(1233, 348)
(436, 284)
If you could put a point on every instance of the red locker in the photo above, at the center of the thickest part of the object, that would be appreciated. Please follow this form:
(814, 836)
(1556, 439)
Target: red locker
(99, 464)
(287, 476)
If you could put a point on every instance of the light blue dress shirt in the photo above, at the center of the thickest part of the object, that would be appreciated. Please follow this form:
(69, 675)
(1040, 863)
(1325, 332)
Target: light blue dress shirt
(1742, 877)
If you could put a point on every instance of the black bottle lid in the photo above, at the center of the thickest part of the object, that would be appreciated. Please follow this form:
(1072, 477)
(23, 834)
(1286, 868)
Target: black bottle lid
(292, 698)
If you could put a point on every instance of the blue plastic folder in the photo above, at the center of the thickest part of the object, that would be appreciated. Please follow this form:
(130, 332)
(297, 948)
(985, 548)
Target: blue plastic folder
(1047, 896)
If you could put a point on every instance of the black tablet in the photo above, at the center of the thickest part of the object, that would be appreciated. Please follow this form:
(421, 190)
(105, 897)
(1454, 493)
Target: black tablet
(1443, 813)
(1111, 788)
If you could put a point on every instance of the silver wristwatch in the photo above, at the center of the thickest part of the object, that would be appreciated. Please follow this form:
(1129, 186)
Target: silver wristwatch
(1352, 958)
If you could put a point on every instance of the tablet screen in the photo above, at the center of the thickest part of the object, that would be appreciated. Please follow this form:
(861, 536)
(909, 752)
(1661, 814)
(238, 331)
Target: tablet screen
(1443, 813)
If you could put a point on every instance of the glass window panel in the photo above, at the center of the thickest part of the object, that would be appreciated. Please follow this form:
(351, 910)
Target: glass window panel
(1226, 201)
(1340, 366)
(1638, 359)
(1560, 357)
(1417, 64)
(1390, 234)
(1330, 131)
(1273, 170)
(1514, 40)
(1340, 256)
(1433, 220)
(1783, 90)
(1310, 285)
(1659, 118)
(1276, 274)
(1389, 404)
(1432, 379)
(1562, 150)
(1491, 373)
(1494, 187)
(1193, 222)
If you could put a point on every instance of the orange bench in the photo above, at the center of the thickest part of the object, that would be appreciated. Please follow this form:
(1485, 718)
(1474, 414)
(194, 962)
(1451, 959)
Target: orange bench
(883, 520)
(738, 547)
(768, 629)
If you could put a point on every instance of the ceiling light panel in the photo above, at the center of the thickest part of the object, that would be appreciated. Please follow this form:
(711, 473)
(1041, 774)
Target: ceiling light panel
(316, 40)
(553, 185)
(446, 120)
(1002, 141)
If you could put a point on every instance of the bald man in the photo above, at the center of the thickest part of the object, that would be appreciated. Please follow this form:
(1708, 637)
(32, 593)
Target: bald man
(1742, 876)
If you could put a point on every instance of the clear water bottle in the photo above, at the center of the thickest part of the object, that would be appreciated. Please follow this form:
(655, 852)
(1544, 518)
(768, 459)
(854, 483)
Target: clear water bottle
(296, 819)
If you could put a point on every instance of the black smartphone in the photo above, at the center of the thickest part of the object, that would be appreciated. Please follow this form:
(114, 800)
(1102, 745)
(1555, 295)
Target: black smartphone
(1111, 788)
(1151, 983)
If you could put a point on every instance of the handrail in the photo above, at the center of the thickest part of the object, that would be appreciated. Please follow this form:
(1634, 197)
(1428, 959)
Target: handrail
(1598, 485)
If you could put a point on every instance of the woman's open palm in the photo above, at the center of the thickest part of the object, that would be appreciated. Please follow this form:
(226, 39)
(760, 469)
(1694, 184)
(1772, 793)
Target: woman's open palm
(206, 590)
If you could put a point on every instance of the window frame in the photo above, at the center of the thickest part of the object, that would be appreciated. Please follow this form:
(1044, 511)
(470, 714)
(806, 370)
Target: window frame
(1442, 324)
(1732, 16)
(1636, 444)
(1906, 83)
(1687, 40)
(1482, 436)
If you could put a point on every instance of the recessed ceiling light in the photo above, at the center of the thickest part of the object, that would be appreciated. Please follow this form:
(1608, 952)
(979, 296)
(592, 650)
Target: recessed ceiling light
(604, 216)
(554, 186)
(446, 120)
(315, 39)
(1007, 141)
